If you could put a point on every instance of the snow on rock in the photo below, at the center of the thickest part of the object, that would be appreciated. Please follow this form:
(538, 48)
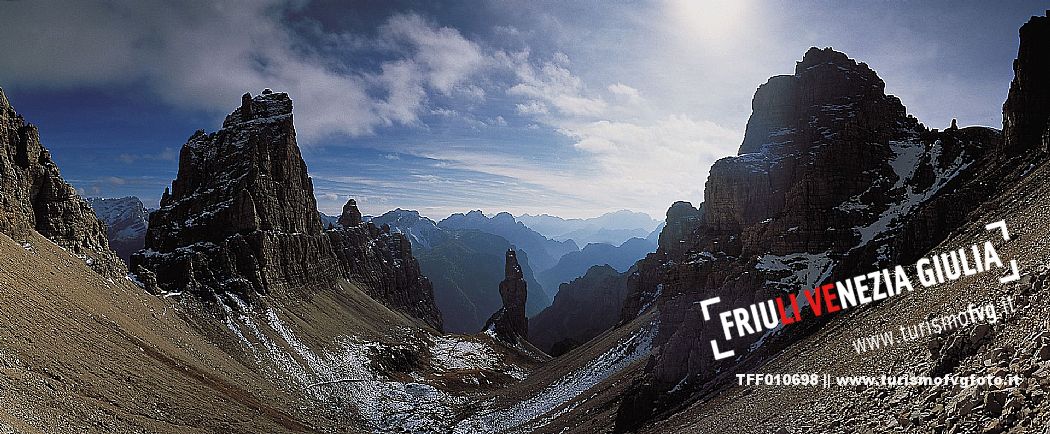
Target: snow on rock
(345, 374)
(456, 352)
(905, 162)
(799, 270)
(550, 402)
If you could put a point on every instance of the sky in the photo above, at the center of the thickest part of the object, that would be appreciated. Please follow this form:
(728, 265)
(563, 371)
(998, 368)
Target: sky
(566, 108)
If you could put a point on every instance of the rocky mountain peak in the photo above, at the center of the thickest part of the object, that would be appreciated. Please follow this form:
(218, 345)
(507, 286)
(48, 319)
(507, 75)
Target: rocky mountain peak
(241, 199)
(828, 172)
(263, 107)
(35, 197)
(1026, 113)
(513, 270)
(682, 219)
(504, 218)
(828, 91)
(241, 219)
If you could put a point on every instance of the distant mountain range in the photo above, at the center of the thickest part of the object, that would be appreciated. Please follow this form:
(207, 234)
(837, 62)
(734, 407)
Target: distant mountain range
(610, 228)
(126, 221)
(465, 266)
(575, 264)
(543, 252)
(463, 255)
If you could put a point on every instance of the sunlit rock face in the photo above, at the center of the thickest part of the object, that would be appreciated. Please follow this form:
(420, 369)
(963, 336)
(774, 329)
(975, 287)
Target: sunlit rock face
(832, 178)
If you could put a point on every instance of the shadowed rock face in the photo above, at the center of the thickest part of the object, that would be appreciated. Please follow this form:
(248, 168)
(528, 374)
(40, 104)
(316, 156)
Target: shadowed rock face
(832, 178)
(509, 323)
(583, 309)
(35, 197)
(382, 260)
(1027, 108)
(241, 219)
(351, 216)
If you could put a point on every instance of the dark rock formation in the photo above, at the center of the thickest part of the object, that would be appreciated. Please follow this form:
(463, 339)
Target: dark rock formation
(33, 196)
(241, 219)
(645, 280)
(382, 260)
(583, 308)
(509, 323)
(832, 178)
(351, 216)
(241, 216)
(126, 221)
(1027, 108)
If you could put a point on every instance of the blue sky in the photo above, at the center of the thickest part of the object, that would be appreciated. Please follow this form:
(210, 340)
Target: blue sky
(571, 109)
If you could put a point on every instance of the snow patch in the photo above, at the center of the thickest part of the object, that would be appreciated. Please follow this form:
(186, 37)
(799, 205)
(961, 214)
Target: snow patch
(627, 351)
(802, 270)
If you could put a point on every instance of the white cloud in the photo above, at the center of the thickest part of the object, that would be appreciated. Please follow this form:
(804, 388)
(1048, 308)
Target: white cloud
(623, 90)
(444, 53)
(551, 83)
(205, 55)
(532, 108)
(641, 155)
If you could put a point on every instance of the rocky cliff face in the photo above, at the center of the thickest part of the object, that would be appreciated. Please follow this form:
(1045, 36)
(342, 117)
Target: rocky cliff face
(509, 323)
(832, 178)
(383, 261)
(35, 197)
(241, 219)
(1027, 108)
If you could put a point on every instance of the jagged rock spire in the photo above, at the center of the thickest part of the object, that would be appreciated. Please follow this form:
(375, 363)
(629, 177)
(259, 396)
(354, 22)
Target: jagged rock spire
(509, 323)
(241, 218)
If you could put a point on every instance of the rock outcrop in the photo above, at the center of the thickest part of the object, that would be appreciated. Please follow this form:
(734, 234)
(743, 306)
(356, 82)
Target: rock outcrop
(382, 260)
(241, 219)
(33, 196)
(351, 216)
(509, 323)
(833, 177)
(1027, 108)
